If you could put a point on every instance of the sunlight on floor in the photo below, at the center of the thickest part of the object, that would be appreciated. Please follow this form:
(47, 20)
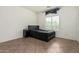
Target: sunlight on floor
(55, 47)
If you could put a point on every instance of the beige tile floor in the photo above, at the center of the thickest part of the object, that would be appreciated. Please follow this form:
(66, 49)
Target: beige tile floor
(32, 45)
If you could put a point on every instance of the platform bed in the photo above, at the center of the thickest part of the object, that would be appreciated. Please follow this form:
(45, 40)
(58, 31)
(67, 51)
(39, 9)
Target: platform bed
(34, 31)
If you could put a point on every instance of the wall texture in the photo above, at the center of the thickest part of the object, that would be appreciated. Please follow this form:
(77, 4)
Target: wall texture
(13, 20)
(77, 23)
(67, 27)
(68, 17)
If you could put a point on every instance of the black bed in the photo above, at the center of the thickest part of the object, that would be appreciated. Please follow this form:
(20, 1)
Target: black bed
(35, 32)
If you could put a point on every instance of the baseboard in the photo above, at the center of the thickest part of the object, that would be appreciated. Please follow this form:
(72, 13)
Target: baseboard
(10, 39)
(66, 38)
(63, 38)
(78, 41)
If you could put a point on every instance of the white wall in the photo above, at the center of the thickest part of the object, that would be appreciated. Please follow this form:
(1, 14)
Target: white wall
(68, 17)
(13, 20)
(78, 28)
(67, 25)
(41, 20)
(78, 23)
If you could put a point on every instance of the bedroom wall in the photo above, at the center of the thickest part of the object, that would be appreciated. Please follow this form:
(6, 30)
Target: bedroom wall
(78, 29)
(68, 17)
(13, 20)
(67, 27)
(41, 20)
(78, 23)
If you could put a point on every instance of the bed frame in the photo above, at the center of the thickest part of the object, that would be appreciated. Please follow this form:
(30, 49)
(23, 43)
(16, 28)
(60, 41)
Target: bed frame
(34, 31)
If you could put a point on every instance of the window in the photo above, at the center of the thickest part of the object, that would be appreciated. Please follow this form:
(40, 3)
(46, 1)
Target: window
(52, 22)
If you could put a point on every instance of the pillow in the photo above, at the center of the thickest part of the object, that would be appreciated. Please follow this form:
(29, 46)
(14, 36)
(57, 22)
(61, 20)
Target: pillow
(33, 27)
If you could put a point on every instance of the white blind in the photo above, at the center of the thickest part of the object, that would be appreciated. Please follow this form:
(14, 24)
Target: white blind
(52, 23)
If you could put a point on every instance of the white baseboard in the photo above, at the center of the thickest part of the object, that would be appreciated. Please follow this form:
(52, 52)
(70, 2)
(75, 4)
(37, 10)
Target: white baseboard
(9, 39)
(70, 39)
(78, 41)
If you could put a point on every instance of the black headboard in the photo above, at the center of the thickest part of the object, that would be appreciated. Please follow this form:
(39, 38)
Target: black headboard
(33, 27)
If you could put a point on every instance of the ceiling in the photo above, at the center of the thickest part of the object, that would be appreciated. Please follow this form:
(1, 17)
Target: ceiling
(38, 8)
